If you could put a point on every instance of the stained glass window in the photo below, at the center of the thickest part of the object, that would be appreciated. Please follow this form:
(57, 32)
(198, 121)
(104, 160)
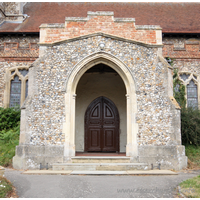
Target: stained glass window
(15, 92)
(23, 72)
(184, 76)
(192, 99)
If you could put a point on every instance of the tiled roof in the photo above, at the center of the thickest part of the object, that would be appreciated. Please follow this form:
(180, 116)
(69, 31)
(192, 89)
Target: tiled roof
(172, 17)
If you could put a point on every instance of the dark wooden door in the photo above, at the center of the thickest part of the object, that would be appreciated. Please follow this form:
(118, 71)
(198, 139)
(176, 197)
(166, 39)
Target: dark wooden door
(102, 126)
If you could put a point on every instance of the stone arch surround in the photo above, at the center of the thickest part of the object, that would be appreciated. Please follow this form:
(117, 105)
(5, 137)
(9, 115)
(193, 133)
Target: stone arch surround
(70, 96)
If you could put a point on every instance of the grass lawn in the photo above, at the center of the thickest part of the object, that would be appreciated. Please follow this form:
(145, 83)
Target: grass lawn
(193, 154)
(6, 188)
(191, 187)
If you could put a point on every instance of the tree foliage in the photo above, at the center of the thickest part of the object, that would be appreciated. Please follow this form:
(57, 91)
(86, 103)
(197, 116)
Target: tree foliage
(190, 117)
(9, 134)
(9, 118)
(190, 126)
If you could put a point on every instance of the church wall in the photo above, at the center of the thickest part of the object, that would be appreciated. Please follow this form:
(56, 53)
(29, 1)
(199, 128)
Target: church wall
(15, 51)
(100, 22)
(22, 41)
(3, 67)
(11, 7)
(91, 86)
(12, 12)
(23, 50)
(143, 63)
(45, 109)
(2, 16)
(185, 53)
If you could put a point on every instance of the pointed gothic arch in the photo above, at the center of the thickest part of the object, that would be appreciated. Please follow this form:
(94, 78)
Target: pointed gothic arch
(70, 97)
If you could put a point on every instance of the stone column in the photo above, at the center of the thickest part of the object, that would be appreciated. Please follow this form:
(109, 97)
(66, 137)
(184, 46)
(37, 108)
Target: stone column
(69, 126)
(132, 129)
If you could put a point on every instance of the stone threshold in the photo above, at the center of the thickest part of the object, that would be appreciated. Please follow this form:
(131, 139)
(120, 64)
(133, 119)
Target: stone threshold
(84, 154)
(133, 172)
(106, 164)
(101, 157)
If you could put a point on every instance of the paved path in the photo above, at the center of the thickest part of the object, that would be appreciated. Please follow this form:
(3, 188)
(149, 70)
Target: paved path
(62, 186)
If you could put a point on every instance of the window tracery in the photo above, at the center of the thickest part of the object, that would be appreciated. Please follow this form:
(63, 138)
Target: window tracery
(16, 89)
(191, 82)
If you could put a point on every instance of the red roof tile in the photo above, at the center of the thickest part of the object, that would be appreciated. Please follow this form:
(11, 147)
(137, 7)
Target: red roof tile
(172, 17)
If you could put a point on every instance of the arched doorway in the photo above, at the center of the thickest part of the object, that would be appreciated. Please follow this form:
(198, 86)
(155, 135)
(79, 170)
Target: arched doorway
(70, 101)
(102, 126)
(100, 80)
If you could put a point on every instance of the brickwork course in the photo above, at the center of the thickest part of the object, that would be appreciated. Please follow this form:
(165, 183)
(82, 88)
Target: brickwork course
(75, 27)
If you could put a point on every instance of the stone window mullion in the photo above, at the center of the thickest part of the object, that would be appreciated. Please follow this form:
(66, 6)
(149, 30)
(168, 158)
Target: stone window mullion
(26, 86)
(23, 88)
(185, 84)
(198, 93)
(7, 88)
(9, 78)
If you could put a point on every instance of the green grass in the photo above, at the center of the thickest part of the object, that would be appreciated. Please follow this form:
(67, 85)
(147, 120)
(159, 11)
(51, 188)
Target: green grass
(193, 154)
(5, 187)
(191, 187)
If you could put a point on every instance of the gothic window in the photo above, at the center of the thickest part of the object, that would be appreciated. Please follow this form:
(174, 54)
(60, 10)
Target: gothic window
(16, 86)
(24, 72)
(190, 81)
(192, 99)
(15, 92)
(184, 76)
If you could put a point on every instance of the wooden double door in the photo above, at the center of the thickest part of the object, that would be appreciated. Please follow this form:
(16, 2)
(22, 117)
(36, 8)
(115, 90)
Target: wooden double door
(102, 126)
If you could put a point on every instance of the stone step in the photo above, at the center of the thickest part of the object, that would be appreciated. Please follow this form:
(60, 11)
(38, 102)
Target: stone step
(102, 159)
(100, 166)
(135, 172)
(70, 172)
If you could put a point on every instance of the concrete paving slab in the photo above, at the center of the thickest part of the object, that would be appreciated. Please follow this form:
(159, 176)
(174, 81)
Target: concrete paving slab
(99, 173)
(93, 186)
(77, 172)
(152, 172)
(46, 172)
